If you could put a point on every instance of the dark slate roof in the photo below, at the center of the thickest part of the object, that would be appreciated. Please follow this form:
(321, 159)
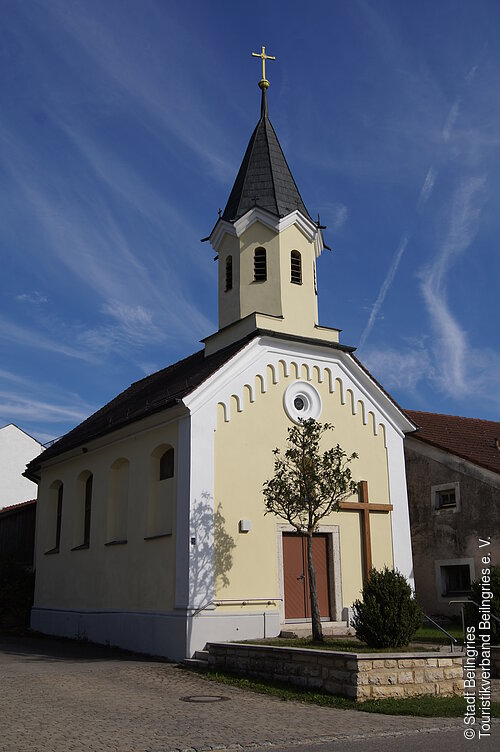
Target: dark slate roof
(471, 439)
(159, 391)
(264, 179)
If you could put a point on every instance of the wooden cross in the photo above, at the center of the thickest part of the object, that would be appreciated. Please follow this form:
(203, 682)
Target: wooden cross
(364, 506)
(263, 57)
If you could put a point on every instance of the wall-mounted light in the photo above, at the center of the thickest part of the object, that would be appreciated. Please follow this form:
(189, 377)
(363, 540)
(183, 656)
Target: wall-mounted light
(245, 526)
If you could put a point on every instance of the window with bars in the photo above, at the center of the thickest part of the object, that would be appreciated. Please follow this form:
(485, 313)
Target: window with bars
(260, 265)
(455, 579)
(295, 268)
(229, 273)
(446, 496)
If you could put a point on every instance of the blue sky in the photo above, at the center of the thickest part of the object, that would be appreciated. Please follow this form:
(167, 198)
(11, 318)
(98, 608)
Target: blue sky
(123, 125)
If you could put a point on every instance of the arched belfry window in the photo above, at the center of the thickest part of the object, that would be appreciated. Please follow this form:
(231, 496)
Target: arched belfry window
(295, 268)
(260, 265)
(167, 464)
(229, 273)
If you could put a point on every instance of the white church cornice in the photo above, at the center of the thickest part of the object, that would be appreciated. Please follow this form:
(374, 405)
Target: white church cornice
(310, 230)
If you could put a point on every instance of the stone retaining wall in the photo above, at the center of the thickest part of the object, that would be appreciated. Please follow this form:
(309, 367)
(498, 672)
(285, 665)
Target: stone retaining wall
(361, 676)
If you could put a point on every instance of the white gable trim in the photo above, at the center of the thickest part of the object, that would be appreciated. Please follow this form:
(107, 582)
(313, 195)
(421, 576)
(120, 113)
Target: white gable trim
(278, 224)
(252, 361)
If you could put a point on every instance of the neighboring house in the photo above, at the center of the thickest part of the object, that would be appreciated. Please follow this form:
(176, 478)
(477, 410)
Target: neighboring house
(151, 531)
(17, 533)
(17, 448)
(453, 476)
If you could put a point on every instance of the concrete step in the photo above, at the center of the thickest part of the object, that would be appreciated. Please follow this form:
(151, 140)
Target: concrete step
(195, 663)
(199, 661)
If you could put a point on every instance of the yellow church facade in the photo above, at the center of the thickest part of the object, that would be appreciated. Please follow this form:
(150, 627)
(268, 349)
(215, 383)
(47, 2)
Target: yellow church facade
(151, 532)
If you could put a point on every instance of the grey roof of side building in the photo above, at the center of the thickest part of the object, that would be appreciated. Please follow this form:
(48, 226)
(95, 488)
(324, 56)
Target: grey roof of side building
(264, 179)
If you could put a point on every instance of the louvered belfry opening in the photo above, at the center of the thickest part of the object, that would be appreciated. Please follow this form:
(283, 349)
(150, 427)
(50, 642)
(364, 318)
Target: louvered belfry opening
(229, 273)
(295, 268)
(260, 265)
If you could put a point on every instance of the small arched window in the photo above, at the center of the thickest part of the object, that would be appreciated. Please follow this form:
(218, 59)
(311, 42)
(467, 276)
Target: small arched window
(87, 510)
(167, 464)
(229, 273)
(295, 268)
(260, 265)
(59, 516)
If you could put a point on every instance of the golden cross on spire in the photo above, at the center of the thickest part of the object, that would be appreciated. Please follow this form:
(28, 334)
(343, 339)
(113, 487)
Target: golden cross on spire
(264, 83)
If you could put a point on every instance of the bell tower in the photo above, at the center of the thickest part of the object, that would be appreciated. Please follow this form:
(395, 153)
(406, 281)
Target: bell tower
(267, 246)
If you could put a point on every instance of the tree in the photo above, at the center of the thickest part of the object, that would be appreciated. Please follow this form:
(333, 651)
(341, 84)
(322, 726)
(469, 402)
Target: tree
(307, 486)
(388, 615)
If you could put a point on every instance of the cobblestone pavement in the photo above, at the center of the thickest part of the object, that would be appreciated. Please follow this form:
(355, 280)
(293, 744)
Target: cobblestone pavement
(58, 696)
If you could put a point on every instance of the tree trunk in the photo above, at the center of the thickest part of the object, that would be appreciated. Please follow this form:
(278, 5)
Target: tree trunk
(317, 632)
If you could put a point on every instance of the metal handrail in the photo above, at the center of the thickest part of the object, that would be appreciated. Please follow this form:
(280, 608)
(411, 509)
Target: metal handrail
(462, 602)
(246, 601)
(235, 601)
(452, 639)
(468, 600)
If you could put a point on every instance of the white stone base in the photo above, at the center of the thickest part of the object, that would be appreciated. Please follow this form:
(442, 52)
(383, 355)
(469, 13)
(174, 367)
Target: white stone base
(175, 635)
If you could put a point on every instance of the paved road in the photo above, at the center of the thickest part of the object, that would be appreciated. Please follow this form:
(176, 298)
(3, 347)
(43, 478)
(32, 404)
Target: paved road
(57, 696)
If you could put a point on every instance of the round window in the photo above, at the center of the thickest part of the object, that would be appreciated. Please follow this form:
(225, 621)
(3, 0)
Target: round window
(299, 403)
(302, 401)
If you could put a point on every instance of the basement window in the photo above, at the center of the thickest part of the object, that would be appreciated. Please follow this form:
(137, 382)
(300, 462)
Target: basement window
(260, 265)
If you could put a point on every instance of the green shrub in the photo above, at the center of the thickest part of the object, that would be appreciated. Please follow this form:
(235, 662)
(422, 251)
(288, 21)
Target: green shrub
(388, 616)
(472, 612)
(16, 593)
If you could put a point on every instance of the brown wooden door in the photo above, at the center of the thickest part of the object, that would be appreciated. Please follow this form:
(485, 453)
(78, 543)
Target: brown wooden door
(297, 595)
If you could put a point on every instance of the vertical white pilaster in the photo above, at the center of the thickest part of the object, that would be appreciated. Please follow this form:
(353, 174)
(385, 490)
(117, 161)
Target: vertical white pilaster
(400, 517)
(182, 522)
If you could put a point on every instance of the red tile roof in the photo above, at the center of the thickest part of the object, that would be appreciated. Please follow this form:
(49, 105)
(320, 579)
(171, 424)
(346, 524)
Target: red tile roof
(12, 507)
(471, 439)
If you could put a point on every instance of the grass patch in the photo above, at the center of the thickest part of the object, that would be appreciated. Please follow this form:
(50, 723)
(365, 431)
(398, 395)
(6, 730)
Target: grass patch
(427, 706)
(432, 634)
(334, 643)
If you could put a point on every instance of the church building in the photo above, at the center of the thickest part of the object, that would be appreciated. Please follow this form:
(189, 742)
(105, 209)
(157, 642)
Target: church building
(151, 533)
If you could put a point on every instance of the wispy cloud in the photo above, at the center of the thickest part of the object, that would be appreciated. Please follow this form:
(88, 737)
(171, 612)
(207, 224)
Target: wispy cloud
(32, 297)
(451, 120)
(427, 188)
(402, 370)
(334, 215)
(26, 409)
(34, 339)
(451, 339)
(170, 106)
(384, 289)
(31, 402)
(82, 234)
